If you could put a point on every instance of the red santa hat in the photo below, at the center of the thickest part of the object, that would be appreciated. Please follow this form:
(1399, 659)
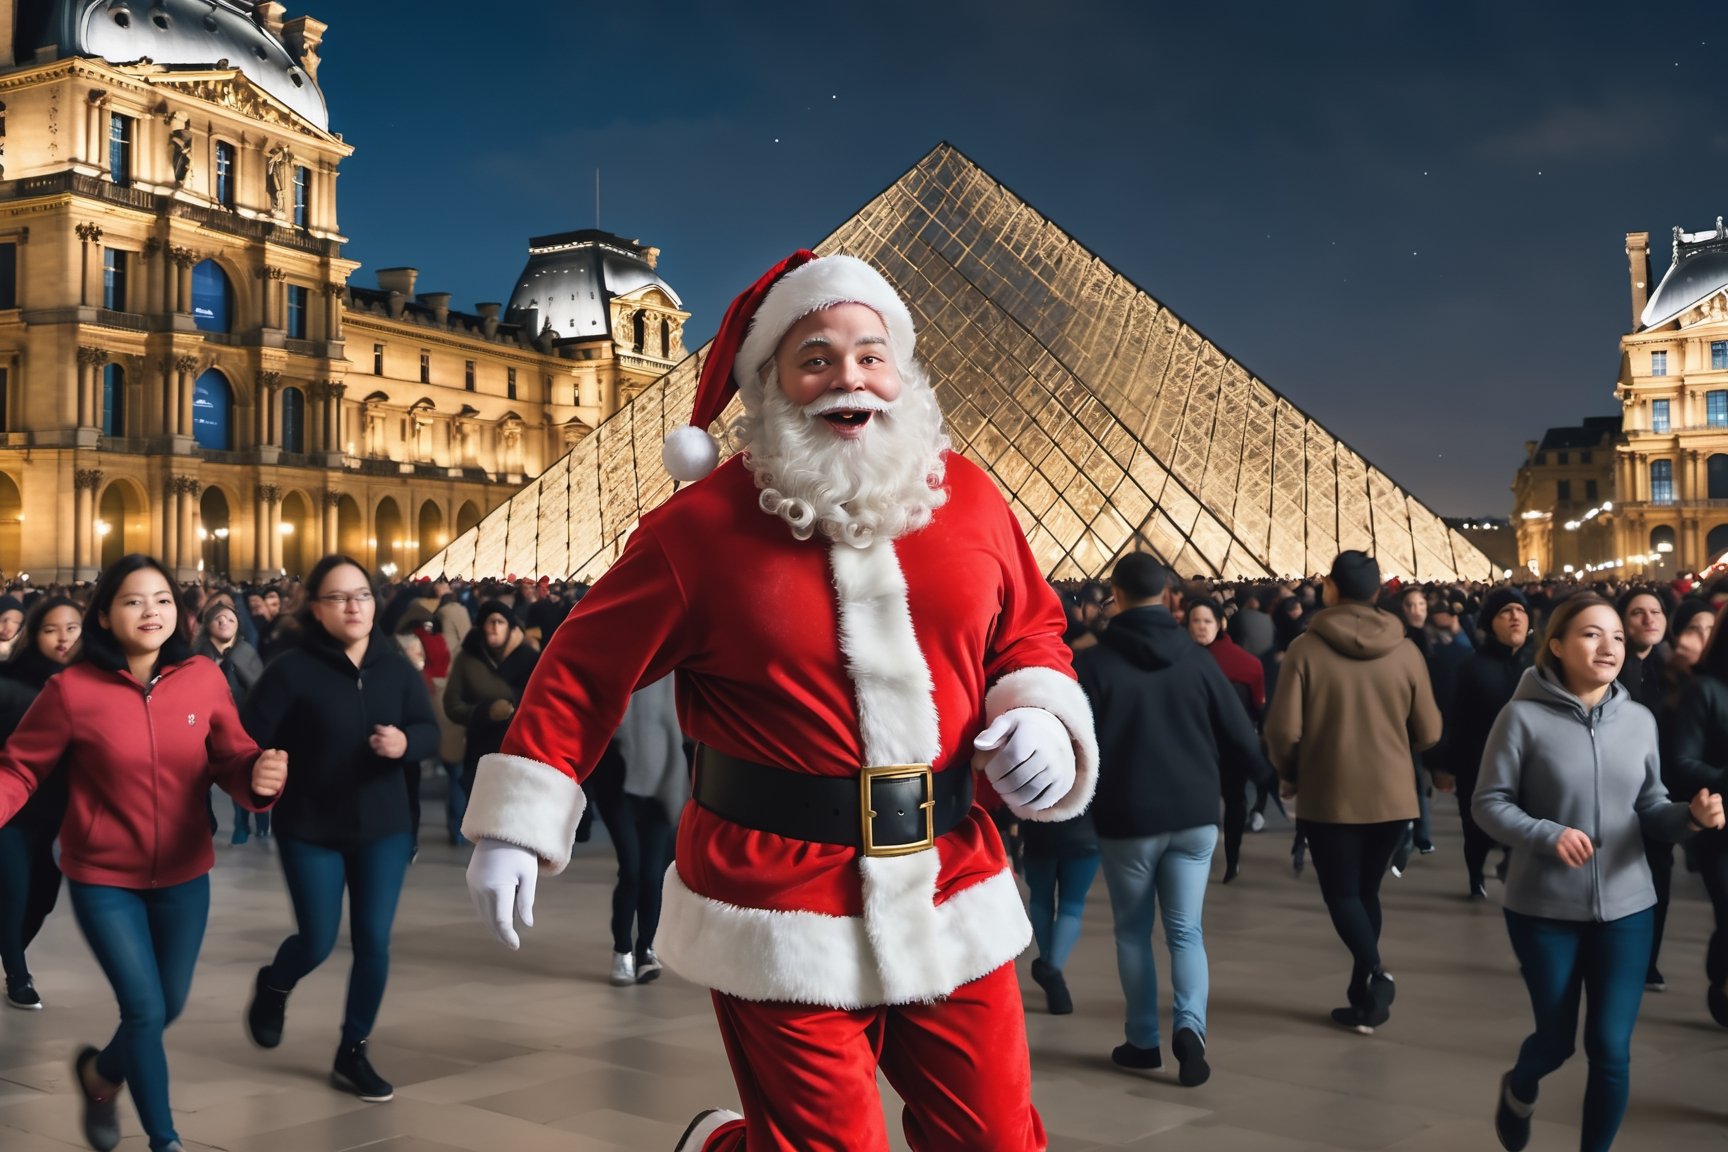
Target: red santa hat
(750, 333)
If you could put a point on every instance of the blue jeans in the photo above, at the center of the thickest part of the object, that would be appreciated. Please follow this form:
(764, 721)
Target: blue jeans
(1564, 960)
(146, 942)
(1171, 868)
(372, 873)
(244, 820)
(29, 889)
(1058, 887)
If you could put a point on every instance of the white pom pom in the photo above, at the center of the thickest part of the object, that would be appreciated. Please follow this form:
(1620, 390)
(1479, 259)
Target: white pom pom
(689, 453)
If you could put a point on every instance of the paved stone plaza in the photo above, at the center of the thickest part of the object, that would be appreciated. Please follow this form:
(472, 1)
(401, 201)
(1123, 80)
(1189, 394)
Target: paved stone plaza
(534, 1052)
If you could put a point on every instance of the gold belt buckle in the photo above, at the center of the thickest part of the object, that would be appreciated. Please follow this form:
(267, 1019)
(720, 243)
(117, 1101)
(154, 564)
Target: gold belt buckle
(896, 772)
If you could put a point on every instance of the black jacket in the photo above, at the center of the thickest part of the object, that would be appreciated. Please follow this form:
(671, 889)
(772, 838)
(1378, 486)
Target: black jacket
(313, 703)
(21, 680)
(1167, 720)
(1481, 687)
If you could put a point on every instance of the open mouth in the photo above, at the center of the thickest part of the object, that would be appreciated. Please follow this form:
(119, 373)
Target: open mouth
(848, 419)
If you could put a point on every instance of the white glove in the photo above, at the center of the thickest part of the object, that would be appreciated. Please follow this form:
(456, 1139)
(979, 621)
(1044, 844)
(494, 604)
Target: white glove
(1028, 758)
(501, 878)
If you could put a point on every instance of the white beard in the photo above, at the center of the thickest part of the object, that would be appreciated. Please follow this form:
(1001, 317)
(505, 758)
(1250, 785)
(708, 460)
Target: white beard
(881, 486)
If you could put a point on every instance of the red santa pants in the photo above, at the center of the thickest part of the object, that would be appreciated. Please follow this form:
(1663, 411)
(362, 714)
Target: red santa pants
(807, 1076)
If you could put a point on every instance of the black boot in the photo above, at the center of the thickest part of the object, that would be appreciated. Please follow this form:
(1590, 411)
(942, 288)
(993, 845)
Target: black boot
(1056, 995)
(354, 1073)
(267, 1012)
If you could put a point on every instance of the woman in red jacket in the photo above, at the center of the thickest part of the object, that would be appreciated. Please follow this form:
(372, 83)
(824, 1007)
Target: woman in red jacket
(1205, 621)
(142, 728)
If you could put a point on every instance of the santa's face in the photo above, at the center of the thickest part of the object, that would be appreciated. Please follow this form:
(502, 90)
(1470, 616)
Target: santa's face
(835, 366)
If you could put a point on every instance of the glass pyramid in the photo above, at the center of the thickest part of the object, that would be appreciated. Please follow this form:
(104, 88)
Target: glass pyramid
(1109, 423)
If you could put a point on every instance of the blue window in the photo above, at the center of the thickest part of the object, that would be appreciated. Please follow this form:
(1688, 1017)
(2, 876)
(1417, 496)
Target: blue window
(1661, 481)
(1716, 409)
(212, 405)
(212, 299)
(1716, 477)
(1658, 363)
(302, 178)
(1659, 416)
(113, 279)
(293, 420)
(120, 149)
(297, 311)
(113, 400)
(225, 174)
(1718, 355)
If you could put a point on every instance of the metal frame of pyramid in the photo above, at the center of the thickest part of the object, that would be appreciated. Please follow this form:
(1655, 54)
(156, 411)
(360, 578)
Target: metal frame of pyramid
(1110, 424)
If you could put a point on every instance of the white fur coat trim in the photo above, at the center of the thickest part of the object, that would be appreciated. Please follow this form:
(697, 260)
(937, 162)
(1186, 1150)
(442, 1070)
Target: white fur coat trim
(1061, 696)
(528, 804)
(905, 948)
(890, 680)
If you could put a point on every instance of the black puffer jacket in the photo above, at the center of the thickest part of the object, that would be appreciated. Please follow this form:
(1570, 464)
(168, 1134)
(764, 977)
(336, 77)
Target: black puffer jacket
(1481, 687)
(1166, 720)
(21, 680)
(316, 705)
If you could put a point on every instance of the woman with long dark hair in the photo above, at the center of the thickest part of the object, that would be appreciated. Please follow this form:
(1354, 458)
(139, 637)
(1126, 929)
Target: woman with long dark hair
(142, 728)
(29, 877)
(1571, 780)
(354, 716)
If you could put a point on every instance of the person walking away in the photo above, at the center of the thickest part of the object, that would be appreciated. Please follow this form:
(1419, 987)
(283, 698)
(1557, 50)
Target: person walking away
(353, 714)
(1167, 721)
(1412, 607)
(1644, 614)
(1351, 709)
(1204, 621)
(1483, 686)
(141, 728)
(29, 874)
(219, 639)
(1571, 780)
(487, 678)
(640, 802)
(1060, 861)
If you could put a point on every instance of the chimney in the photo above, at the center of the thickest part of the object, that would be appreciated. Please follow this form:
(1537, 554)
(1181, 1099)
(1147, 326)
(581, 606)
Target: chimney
(8, 31)
(439, 302)
(268, 15)
(301, 36)
(398, 280)
(1638, 267)
(488, 318)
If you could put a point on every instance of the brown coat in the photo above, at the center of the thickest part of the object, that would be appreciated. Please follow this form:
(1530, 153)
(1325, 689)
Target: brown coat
(1352, 707)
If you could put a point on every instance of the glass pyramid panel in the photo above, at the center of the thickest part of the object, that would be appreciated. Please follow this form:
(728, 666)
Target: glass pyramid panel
(1110, 423)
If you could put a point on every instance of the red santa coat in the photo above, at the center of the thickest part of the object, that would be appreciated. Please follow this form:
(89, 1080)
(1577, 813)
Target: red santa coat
(819, 658)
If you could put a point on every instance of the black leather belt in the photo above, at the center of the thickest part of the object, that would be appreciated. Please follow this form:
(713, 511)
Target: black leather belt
(889, 810)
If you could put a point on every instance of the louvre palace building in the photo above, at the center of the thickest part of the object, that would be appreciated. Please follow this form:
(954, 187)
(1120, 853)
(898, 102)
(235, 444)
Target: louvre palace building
(186, 367)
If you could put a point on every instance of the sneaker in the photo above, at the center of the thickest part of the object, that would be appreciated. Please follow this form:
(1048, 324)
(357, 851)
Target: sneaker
(101, 1113)
(1512, 1117)
(1381, 991)
(1129, 1055)
(1256, 822)
(623, 969)
(22, 994)
(1426, 849)
(648, 967)
(705, 1124)
(1478, 890)
(1056, 995)
(353, 1072)
(1190, 1050)
(1653, 981)
(267, 1012)
(1397, 869)
(1353, 1018)
(240, 836)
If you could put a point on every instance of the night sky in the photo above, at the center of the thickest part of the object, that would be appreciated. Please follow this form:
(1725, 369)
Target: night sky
(1410, 219)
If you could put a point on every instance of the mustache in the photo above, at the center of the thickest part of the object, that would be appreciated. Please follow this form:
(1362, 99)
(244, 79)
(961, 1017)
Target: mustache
(846, 402)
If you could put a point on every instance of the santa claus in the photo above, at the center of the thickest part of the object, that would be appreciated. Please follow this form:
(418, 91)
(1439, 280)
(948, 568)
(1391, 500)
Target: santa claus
(855, 622)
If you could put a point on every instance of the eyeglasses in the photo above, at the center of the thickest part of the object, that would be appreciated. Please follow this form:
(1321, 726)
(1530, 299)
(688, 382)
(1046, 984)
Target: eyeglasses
(343, 599)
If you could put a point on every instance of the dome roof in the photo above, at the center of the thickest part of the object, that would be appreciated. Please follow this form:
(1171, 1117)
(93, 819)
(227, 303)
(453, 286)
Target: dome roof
(571, 277)
(1699, 271)
(180, 33)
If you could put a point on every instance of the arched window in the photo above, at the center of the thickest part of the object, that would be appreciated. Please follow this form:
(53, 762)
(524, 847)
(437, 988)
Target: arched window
(293, 420)
(212, 407)
(1716, 543)
(666, 339)
(113, 400)
(212, 298)
(1662, 538)
(640, 324)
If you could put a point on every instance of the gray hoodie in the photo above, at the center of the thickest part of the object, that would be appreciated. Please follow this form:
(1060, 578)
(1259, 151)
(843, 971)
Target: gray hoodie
(1552, 764)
